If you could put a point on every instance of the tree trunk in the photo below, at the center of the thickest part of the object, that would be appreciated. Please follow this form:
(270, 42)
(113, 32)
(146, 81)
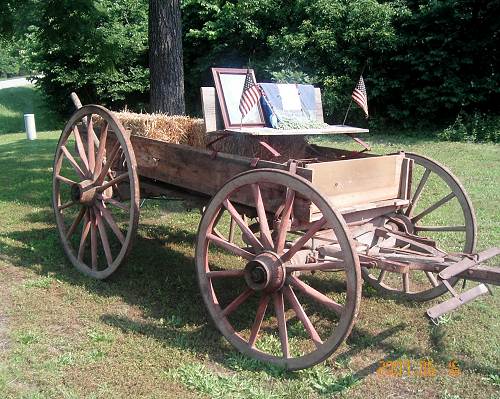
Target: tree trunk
(165, 57)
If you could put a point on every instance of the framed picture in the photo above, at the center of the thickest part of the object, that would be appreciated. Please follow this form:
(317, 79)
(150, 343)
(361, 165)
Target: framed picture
(229, 84)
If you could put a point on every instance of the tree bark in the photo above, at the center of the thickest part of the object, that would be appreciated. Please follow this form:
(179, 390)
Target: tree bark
(165, 57)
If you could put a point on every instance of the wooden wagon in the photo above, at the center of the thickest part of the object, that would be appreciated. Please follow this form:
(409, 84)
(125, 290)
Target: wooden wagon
(282, 248)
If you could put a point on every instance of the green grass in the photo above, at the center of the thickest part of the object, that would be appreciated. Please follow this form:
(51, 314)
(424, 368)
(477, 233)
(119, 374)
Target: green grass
(145, 331)
(17, 101)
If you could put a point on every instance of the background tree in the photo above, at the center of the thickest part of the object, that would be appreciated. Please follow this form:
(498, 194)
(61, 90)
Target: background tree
(165, 57)
(97, 48)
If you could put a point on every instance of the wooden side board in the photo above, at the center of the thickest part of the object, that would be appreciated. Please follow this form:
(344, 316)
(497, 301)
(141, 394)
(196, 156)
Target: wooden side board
(355, 186)
(359, 181)
(194, 169)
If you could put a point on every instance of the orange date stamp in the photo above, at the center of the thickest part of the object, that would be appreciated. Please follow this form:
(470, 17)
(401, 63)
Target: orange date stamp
(416, 368)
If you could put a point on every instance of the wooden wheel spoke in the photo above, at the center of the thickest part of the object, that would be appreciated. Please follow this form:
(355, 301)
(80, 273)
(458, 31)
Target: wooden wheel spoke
(73, 162)
(90, 144)
(433, 207)
(406, 282)
(93, 241)
(113, 182)
(80, 147)
(265, 233)
(285, 220)
(65, 180)
(85, 231)
(279, 309)
(76, 222)
(259, 317)
(104, 237)
(316, 226)
(108, 217)
(243, 226)
(432, 279)
(109, 161)
(316, 295)
(225, 273)
(234, 249)
(301, 314)
(418, 191)
(101, 150)
(315, 266)
(116, 203)
(235, 304)
(66, 205)
(440, 228)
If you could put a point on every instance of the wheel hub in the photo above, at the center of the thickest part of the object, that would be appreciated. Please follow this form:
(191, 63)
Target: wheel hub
(265, 272)
(83, 192)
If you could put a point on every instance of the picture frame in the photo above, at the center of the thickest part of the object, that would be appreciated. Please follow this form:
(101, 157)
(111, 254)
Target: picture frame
(229, 84)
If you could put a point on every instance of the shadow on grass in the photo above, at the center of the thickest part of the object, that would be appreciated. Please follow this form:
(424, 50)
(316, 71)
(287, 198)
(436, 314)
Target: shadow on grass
(17, 101)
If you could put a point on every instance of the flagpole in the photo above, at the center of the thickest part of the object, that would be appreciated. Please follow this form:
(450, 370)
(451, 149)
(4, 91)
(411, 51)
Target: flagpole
(347, 112)
(350, 103)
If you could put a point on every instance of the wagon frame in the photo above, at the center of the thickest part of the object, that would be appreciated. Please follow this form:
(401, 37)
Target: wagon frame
(336, 212)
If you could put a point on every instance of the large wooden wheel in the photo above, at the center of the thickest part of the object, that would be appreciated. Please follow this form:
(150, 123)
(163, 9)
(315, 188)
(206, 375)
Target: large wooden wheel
(268, 292)
(439, 209)
(95, 191)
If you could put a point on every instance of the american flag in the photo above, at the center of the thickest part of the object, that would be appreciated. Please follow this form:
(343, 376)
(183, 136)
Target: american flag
(359, 95)
(250, 95)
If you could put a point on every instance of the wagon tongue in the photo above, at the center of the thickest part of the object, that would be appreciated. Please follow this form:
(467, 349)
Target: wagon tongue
(468, 267)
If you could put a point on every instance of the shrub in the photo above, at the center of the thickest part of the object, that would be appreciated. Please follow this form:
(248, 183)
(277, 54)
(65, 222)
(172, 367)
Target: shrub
(10, 64)
(476, 127)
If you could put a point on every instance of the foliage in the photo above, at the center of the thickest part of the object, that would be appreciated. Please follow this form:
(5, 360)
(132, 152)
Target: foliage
(97, 48)
(426, 61)
(321, 42)
(9, 59)
(474, 127)
(445, 60)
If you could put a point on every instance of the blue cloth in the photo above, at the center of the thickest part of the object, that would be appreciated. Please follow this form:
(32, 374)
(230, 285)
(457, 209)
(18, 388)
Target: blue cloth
(269, 116)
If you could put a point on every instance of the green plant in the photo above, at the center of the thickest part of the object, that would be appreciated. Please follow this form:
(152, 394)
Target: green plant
(477, 127)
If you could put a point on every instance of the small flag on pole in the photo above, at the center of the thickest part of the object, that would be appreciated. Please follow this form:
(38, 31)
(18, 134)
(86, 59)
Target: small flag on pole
(250, 95)
(359, 95)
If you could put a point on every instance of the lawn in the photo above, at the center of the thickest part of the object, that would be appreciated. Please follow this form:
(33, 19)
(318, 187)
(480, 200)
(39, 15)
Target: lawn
(145, 332)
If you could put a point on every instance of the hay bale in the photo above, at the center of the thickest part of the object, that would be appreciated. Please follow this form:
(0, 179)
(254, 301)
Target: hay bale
(191, 131)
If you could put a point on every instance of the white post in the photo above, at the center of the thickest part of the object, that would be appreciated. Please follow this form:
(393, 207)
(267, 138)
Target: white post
(29, 124)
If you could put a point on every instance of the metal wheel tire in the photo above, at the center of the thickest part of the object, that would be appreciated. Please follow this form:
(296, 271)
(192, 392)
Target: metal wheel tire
(313, 307)
(95, 191)
(466, 229)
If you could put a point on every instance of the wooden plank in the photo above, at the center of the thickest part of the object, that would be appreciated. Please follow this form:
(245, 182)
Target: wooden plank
(211, 111)
(406, 173)
(193, 168)
(267, 131)
(358, 181)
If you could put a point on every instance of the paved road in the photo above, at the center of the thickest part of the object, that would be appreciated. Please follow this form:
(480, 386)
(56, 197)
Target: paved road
(16, 82)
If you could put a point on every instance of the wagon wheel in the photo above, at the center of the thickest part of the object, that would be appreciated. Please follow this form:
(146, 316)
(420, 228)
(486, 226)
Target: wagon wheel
(95, 191)
(439, 209)
(268, 298)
